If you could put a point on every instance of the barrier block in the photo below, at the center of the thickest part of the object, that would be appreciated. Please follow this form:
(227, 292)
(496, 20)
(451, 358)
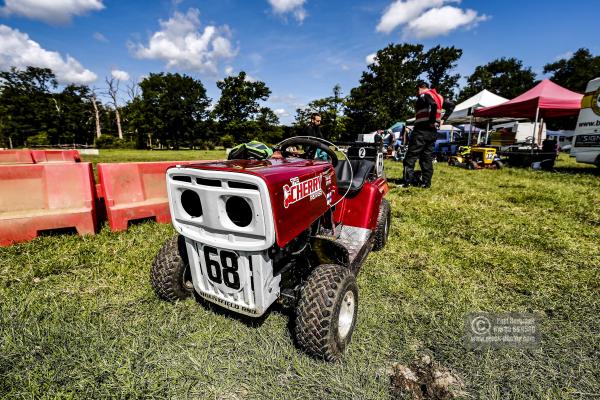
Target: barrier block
(46, 156)
(39, 197)
(16, 157)
(135, 191)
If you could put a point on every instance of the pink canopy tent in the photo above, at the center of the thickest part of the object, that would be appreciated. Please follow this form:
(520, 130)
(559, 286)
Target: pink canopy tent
(545, 100)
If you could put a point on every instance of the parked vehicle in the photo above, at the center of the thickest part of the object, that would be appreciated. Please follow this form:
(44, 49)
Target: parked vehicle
(564, 139)
(286, 229)
(449, 139)
(476, 157)
(586, 141)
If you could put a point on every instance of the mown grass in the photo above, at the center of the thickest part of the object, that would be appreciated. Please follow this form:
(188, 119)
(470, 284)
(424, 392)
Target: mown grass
(79, 319)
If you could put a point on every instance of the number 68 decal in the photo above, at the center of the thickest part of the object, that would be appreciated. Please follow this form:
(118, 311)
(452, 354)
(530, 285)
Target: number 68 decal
(222, 267)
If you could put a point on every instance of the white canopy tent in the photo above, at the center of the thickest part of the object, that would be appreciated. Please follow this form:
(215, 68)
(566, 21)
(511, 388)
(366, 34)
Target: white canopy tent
(463, 111)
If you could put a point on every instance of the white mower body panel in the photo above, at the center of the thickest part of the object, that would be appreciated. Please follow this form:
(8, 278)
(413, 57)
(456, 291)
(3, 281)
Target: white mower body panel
(229, 263)
(239, 281)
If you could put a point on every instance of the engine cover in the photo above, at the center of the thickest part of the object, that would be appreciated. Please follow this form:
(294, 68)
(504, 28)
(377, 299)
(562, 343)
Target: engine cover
(299, 192)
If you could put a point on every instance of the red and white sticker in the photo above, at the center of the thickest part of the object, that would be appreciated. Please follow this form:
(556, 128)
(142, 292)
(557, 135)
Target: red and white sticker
(296, 190)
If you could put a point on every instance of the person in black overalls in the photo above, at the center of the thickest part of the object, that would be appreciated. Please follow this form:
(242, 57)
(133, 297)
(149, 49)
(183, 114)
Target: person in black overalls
(428, 118)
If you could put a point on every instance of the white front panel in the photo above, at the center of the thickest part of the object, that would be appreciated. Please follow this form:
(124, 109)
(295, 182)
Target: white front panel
(240, 281)
(214, 227)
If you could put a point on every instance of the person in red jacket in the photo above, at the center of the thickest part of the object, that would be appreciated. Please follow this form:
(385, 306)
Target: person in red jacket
(428, 119)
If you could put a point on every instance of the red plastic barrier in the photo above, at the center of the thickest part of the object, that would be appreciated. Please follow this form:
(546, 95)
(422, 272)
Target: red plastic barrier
(133, 191)
(16, 157)
(41, 197)
(45, 156)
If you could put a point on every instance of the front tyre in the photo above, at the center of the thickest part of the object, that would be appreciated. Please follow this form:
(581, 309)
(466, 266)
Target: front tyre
(326, 312)
(384, 218)
(171, 277)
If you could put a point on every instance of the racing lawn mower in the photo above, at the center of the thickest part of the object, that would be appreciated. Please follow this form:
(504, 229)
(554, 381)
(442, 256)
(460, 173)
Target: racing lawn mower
(476, 158)
(288, 229)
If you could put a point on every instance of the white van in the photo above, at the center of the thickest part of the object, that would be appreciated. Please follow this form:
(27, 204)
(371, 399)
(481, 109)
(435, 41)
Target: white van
(586, 141)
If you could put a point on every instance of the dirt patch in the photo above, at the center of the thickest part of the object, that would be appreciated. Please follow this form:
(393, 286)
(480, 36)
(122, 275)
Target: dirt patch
(424, 379)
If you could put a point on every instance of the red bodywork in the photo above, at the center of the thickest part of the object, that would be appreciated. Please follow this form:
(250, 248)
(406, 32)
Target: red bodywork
(362, 209)
(301, 191)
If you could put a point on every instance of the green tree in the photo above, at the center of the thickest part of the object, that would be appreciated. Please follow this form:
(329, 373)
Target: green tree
(26, 104)
(387, 90)
(174, 107)
(575, 72)
(505, 77)
(74, 119)
(439, 61)
(238, 107)
(268, 125)
(330, 108)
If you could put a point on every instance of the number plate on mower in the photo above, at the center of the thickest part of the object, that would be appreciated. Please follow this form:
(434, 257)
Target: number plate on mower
(224, 277)
(222, 268)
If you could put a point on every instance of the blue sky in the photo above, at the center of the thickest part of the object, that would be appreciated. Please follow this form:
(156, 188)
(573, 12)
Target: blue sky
(300, 48)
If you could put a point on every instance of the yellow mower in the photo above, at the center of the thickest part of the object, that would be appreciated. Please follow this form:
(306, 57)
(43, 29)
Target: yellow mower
(476, 157)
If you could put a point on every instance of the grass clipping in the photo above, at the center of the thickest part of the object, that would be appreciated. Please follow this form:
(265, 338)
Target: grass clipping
(424, 379)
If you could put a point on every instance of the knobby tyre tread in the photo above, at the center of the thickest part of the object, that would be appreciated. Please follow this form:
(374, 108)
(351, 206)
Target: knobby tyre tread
(168, 271)
(317, 313)
(381, 233)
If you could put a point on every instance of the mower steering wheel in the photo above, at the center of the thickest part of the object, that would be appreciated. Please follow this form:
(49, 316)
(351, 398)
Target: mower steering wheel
(295, 141)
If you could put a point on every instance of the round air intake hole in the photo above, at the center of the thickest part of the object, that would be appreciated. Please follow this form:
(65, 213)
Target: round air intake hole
(190, 201)
(239, 211)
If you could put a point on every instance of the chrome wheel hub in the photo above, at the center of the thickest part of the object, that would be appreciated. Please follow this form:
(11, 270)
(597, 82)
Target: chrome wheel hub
(346, 317)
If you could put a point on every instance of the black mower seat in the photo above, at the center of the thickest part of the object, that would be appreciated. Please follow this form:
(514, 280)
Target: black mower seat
(360, 172)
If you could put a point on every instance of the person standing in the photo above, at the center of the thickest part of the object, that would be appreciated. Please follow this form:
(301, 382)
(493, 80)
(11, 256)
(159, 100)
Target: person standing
(314, 127)
(421, 144)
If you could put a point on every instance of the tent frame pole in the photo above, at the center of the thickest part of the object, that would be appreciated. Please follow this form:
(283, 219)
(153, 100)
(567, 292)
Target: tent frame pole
(534, 133)
(470, 129)
(540, 130)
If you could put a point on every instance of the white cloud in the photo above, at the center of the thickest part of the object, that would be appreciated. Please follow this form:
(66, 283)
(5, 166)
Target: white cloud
(441, 21)
(295, 7)
(288, 100)
(370, 59)
(427, 18)
(120, 75)
(402, 11)
(182, 45)
(18, 50)
(228, 70)
(100, 37)
(281, 112)
(250, 79)
(51, 11)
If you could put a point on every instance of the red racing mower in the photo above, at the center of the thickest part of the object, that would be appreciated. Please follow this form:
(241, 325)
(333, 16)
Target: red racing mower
(288, 229)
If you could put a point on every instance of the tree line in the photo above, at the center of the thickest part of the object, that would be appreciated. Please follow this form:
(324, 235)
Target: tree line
(172, 110)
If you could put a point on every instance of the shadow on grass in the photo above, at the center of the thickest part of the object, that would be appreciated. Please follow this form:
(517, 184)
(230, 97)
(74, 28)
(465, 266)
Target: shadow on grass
(251, 322)
(575, 170)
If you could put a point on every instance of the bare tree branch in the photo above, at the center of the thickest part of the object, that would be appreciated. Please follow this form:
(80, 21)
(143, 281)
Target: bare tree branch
(113, 92)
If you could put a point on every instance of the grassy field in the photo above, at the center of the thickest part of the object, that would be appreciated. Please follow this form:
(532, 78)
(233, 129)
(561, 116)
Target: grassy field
(78, 318)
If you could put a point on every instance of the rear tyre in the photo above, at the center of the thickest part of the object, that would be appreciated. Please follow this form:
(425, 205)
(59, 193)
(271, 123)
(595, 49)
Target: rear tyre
(170, 276)
(326, 312)
(498, 164)
(384, 220)
(472, 165)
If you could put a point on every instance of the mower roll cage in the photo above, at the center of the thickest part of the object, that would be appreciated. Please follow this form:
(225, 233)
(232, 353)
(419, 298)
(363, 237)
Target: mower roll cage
(319, 143)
